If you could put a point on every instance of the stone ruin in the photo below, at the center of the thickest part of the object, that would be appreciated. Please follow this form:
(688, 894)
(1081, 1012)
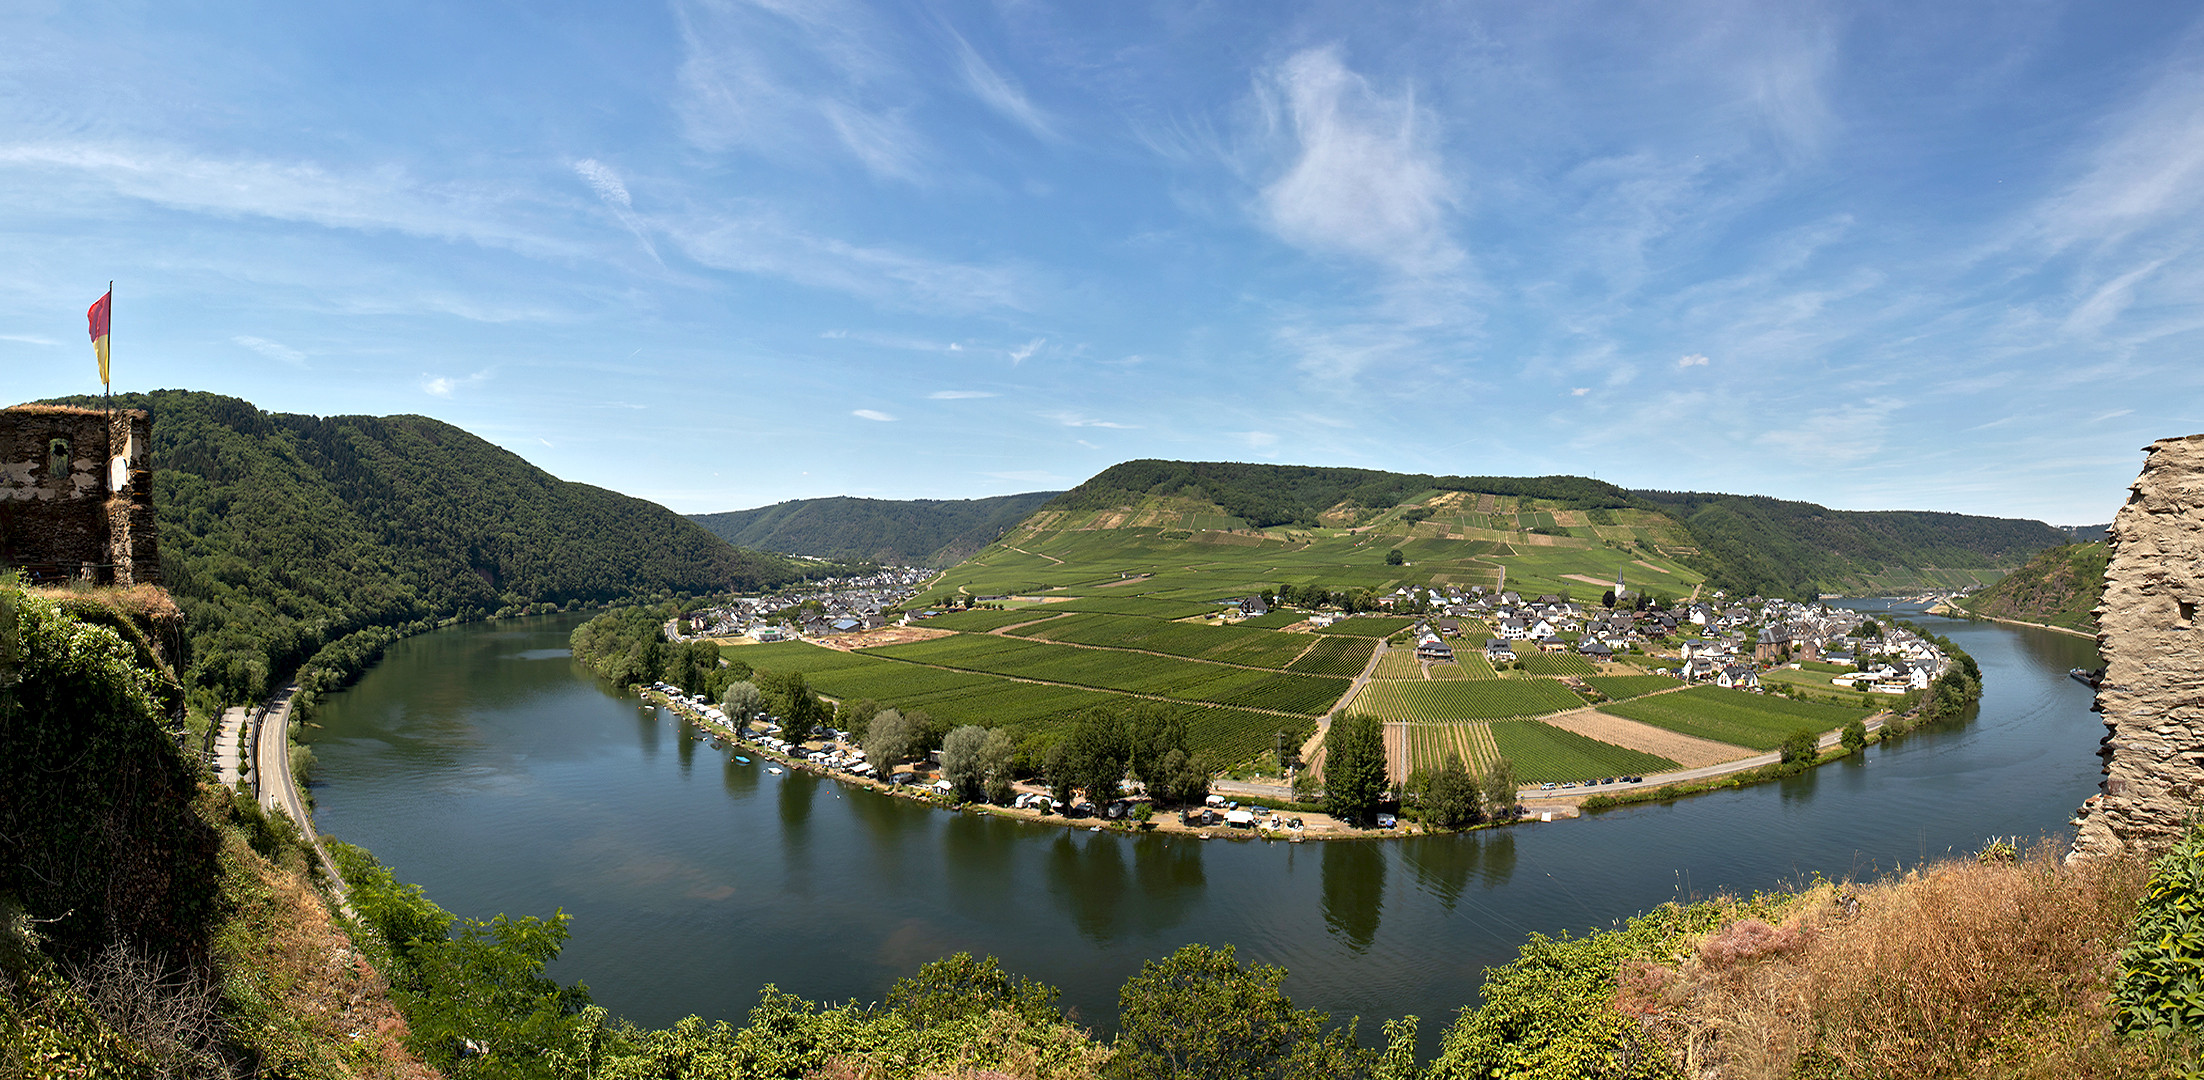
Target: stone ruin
(2152, 692)
(76, 495)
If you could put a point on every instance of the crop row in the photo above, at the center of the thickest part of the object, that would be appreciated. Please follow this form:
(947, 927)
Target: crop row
(1429, 745)
(1732, 716)
(1372, 626)
(1557, 664)
(1144, 606)
(1138, 673)
(1464, 699)
(1222, 644)
(981, 620)
(1398, 664)
(1466, 665)
(1541, 752)
(1331, 655)
(1619, 687)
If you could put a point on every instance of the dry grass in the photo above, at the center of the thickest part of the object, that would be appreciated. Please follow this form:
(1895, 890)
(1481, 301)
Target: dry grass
(1962, 969)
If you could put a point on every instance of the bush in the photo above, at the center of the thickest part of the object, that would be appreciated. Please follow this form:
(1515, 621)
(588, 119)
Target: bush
(1801, 745)
(1855, 736)
(2158, 988)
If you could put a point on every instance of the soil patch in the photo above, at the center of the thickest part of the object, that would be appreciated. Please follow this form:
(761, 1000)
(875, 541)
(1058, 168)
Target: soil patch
(1684, 750)
(886, 635)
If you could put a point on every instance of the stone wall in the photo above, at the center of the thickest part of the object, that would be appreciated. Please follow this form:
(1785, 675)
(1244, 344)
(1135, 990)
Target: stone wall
(76, 495)
(2148, 629)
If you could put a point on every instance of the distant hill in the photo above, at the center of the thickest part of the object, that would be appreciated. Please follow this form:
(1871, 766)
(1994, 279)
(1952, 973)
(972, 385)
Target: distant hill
(1321, 525)
(2059, 587)
(282, 533)
(906, 532)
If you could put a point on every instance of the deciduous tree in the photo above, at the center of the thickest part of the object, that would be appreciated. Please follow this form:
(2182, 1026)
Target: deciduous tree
(1354, 768)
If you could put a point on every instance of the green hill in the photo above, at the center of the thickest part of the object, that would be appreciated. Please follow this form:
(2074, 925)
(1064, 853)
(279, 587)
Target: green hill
(2057, 587)
(904, 532)
(281, 534)
(1205, 530)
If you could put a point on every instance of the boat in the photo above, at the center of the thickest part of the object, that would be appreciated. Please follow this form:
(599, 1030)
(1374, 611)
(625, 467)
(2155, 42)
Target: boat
(740, 760)
(774, 769)
(2087, 676)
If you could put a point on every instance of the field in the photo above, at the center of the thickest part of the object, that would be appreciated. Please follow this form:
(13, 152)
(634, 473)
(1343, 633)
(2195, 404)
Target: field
(1542, 753)
(1619, 687)
(1467, 665)
(1370, 626)
(1143, 606)
(1220, 644)
(1464, 699)
(1230, 735)
(1429, 744)
(979, 620)
(1335, 656)
(1556, 664)
(1137, 673)
(1761, 722)
(1398, 664)
(1275, 619)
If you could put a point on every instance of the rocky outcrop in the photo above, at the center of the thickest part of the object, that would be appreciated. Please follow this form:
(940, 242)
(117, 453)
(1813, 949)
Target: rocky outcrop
(2152, 696)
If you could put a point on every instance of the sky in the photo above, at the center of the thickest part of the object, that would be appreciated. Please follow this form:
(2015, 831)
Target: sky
(719, 253)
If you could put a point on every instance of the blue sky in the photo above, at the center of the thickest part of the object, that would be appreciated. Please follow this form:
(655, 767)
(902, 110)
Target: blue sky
(721, 253)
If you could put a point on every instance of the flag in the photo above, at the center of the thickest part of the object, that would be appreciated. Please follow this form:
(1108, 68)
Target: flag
(98, 316)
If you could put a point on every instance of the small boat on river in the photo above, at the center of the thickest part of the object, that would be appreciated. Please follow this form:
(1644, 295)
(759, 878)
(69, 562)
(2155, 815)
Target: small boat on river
(740, 760)
(2089, 677)
(774, 769)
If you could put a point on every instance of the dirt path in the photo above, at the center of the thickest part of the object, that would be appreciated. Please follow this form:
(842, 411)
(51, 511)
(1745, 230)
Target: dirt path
(1035, 554)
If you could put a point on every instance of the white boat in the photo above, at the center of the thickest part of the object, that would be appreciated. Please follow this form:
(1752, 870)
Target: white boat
(774, 769)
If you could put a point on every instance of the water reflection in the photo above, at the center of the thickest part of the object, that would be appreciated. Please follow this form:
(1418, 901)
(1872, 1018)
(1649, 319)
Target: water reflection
(1444, 865)
(1354, 890)
(1107, 900)
(648, 731)
(685, 749)
(741, 780)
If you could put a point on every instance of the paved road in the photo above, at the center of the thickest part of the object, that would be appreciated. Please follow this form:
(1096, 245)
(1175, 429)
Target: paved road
(279, 789)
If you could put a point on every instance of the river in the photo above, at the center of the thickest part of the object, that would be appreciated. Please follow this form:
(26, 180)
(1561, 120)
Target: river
(481, 762)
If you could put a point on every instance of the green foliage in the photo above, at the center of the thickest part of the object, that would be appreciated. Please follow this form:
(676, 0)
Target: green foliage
(624, 646)
(1450, 796)
(97, 830)
(283, 534)
(2161, 980)
(1354, 767)
(963, 763)
(900, 532)
(1137, 673)
(1368, 626)
(1541, 752)
(1800, 745)
(1464, 699)
(1757, 721)
(1619, 687)
(2059, 587)
(893, 738)
(1221, 644)
(1394, 557)
(1854, 737)
(1335, 654)
(1500, 786)
(1199, 1015)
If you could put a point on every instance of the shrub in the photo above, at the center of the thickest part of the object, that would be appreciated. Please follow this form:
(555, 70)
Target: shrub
(2158, 988)
(1800, 745)
(1855, 736)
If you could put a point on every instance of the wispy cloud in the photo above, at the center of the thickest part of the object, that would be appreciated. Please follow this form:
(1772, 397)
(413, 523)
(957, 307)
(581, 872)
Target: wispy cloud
(28, 339)
(609, 187)
(998, 91)
(960, 395)
(761, 243)
(1579, 391)
(872, 414)
(445, 385)
(1077, 420)
(1025, 352)
(1692, 360)
(1365, 178)
(272, 350)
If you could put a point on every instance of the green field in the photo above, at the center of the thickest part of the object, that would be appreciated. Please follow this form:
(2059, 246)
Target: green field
(983, 619)
(1334, 656)
(1135, 604)
(1429, 745)
(1619, 687)
(1137, 673)
(1275, 619)
(1555, 664)
(1467, 665)
(1230, 735)
(1370, 626)
(1464, 699)
(1759, 721)
(1398, 664)
(1542, 752)
(1220, 644)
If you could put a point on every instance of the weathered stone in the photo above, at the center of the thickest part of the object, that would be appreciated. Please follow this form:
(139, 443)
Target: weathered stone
(2149, 631)
(60, 517)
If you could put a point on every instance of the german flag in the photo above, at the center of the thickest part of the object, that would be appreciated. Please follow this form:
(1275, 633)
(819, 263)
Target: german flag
(98, 315)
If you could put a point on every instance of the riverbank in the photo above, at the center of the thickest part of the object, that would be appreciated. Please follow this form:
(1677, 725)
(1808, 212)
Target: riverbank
(1950, 611)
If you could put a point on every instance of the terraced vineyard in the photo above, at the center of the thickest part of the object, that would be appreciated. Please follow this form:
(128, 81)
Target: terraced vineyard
(1620, 687)
(1556, 664)
(1276, 619)
(1732, 716)
(1466, 665)
(1543, 753)
(980, 620)
(1220, 644)
(1398, 664)
(1143, 606)
(1465, 699)
(1137, 673)
(1335, 656)
(1429, 744)
(1371, 626)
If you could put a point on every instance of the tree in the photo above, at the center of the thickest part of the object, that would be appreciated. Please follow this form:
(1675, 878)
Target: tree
(1395, 558)
(1093, 757)
(1354, 768)
(856, 718)
(1181, 780)
(1871, 629)
(1608, 598)
(1801, 745)
(1855, 736)
(1199, 1015)
(961, 761)
(743, 701)
(1451, 799)
(998, 763)
(892, 739)
(1500, 787)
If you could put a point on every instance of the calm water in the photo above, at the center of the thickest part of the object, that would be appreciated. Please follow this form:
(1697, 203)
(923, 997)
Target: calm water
(483, 763)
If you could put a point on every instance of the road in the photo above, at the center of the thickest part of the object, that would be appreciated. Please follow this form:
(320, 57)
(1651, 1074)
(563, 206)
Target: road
(279, 789)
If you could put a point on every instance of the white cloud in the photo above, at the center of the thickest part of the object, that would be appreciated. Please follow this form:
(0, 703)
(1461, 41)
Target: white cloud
(1257, 440)
(999, 92)
(960, 395)
(605, 182)
(1579, 391)
(872, 414)
(272, 350)
(1693, 360)
(762, 244)
(1365, 179)
(1072, 419)
(28, 339)
(1025, 352)
(444, 385)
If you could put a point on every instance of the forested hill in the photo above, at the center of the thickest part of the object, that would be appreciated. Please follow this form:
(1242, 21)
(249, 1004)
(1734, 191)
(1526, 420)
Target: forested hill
(905, 532)
(282, 533)
(2058, 587)
(1770, 545)
(1742, 543)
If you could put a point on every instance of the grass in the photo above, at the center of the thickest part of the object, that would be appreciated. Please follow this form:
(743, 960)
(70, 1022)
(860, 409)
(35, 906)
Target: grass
(1137, 673)
(1335, 656)
(1369, 626)
(1220, 644)
(1758, 721)
(980, 620)
(1464, 699)
(1619, 687)
(1544, 753)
